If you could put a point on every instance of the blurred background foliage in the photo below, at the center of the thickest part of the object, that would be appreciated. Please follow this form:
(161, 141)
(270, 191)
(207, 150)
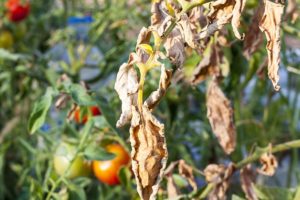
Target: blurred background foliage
(88, 40)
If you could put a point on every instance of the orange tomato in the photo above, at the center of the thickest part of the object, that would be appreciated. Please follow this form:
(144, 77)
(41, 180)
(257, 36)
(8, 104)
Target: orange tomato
(94, 110)
(108, 171)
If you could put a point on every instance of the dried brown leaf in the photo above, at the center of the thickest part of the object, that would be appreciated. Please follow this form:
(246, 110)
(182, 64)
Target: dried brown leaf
(221, 13)
(149, 152)
(247, 180)
(186, 171)
(269, 164)
(220, 115)
(208, 66)
(291, 11)
(172, 189)
(270, 25)
(127, 86)
(164, 83)
(185, 28)
(254, 37)
(174, 46)
(219, 175)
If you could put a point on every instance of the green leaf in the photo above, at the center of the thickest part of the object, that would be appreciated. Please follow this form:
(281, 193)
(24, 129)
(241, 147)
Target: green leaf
(95, 152)
(180, 181)
(40, 110)
(297, 194)
(236, 197)
(80, 95)
(125, 177)
(108, 112)
(76, 192)
(6, 55)
(273, 193)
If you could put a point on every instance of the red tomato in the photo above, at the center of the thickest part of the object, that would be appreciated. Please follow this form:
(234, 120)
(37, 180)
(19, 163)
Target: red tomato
(17, 11)
(108, 171)
(94, 111)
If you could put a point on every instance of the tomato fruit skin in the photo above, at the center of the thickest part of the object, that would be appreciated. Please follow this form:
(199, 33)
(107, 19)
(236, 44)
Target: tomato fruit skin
(6, 39)
(62, 160)
(108, 171)
(17, 11)
(94, 111)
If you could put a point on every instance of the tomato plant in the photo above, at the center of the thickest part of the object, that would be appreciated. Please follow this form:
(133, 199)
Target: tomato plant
(6, 39)
(63, 158)
(108, 171)
(81, 118)
(16, 10)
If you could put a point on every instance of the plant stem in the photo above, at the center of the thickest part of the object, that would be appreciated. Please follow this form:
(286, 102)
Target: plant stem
(82, 142)
(278, 148)
(143, 73)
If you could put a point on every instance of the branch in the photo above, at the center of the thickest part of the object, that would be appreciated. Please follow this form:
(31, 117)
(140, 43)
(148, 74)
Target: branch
(278, 148)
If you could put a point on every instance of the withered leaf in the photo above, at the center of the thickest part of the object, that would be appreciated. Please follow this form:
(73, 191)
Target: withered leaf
(174, 46)
(185, 28)
(172, 189)
(186, 171)
(269, 164)
(221, 13)
(247, 177)
(219, 175)
(164, 83)
(220, 115)
(270, 25)
(254, 37)
(149, 152)
(208, 66)
(291, 11)
(127, 86)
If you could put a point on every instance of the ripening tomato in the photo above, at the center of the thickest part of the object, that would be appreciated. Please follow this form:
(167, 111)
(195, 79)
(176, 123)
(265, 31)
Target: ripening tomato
(108, 171)
(6, 39)
(94, 111)
(16, 10)
(62, 160)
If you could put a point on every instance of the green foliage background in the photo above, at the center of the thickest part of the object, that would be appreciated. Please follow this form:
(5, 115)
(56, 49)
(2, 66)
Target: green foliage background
(262, 116)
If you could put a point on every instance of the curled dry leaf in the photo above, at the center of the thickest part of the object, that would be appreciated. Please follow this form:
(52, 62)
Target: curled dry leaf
(164, 83)
(185, 28)
(221, 13)
(149, 152)
(270, 25)
(291, 11)
(269, 164)
(208, 66)
(127, 86)
(186, 171)
(254, 37)
(172, 189)
(247, 180)
(219, 175)
(220, 115)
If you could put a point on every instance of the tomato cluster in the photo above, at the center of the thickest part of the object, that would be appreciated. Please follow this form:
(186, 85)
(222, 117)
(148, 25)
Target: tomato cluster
(94, 111)
(105, 171)
(16, 10)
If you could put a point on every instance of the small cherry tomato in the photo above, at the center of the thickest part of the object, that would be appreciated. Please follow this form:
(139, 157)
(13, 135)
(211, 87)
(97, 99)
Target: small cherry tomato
(108, 171)
(6, 39)
(62, 160)
(16, 10)
(94, 111)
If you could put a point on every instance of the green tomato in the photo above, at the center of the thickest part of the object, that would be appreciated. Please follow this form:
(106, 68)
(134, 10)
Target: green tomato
(6, 39)
(62, 160)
